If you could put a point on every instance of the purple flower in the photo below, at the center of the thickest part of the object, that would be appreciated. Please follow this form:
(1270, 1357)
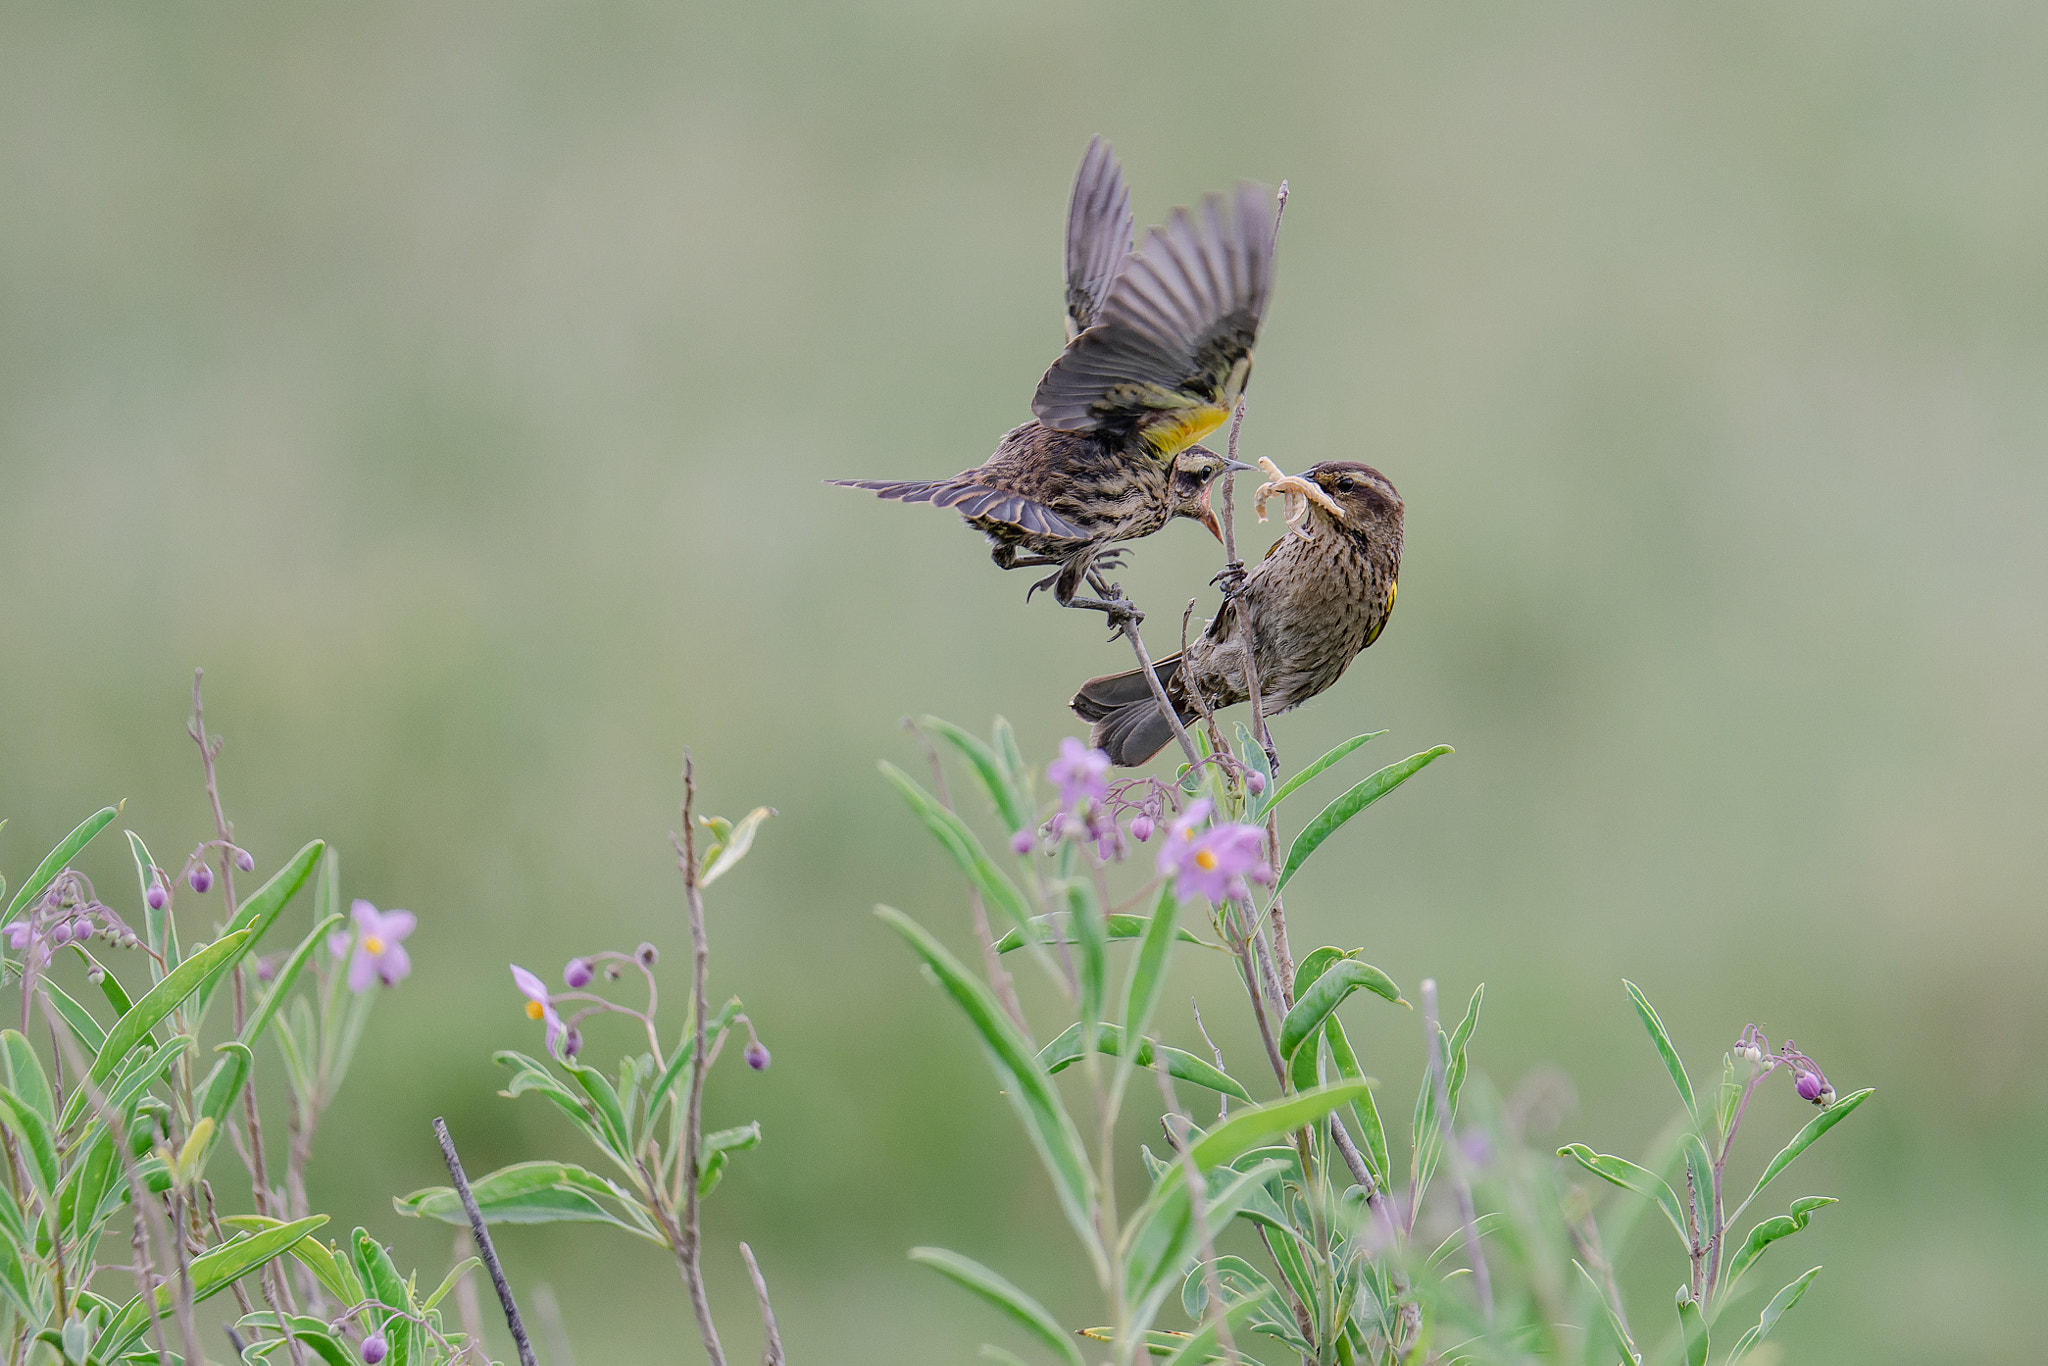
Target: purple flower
(201, 877)
(577, 974)
(539, 1007)
(1214, 863)
(379, 955)
(374, 1348)
(757, 1056)
(1080, 773)
(18, 934)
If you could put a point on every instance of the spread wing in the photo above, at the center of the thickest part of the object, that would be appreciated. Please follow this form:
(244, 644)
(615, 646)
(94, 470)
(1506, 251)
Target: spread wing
(1171, 347)
(1098, 234)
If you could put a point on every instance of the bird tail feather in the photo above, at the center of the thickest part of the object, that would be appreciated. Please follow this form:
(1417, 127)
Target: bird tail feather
(1129, 726)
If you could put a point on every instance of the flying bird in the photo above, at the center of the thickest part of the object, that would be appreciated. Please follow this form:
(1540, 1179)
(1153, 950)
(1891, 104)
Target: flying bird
(1320, 596)
(1160, 346)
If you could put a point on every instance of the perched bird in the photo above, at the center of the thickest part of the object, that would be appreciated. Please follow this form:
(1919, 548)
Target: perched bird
(1160, 348)
(1321, 595)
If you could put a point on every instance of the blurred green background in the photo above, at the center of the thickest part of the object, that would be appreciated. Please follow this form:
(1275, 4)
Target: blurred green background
(454, 383)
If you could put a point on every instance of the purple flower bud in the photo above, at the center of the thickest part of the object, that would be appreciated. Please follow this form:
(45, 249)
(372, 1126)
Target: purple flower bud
(374, 1348)
(246, 861)
(59, 933)
(1141, 829)
(1021, 843)
(577, 974)
(1255, 782)
(1810, 1085)
(156, 896)
(201, 877)
(572, 1043)
(757, 1056)
(266, 968)
(647, 955)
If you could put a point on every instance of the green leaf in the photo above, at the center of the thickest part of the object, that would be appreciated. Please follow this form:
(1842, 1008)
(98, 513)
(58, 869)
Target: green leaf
(1629, 1176)
(1692, 1329)
(1026, 1084)
(1005, 739)
(1085, 915)
(211, 1272)
(1247, 1129)
(334, 1273)
(226, 1080)
(1066, 1050)
(1775, 1310)
(1364, 1110)
(448, 1282)
(611, 1116)
(261, 910)
(1049, 929)
(535, 1193)
(380, 1275)
(958, 841)
(287, 975)
(25, 1076)
(163, 998)
(1287, 788)
(1022, 1310)
(59, 858)
(1254, 756)
(21, 1116)
(1325, 994)
(1805, 1138)
(1769, 1231)
(1162, 1239)
(1351, 803)
(1728, 1097)
(1672, 1064)
(679, 1063)
(1614, 1324)
(1201, 1344)
(76, 1017)
(712, 1160)
(988, 768)
(724, 856)
(159, 933)
(1148, 968)
(1483, 1225)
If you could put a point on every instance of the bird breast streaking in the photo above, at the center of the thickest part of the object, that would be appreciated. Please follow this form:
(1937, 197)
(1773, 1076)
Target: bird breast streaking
(1160, 349)
(1320, 596)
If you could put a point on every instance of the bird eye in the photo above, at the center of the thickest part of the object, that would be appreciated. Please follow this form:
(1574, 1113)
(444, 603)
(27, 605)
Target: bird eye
(1347, 485)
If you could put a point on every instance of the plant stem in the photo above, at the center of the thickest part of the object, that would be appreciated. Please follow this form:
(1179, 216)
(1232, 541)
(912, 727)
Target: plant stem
(689, 1246)
(771, 1350)
(478, 1231)
(1482, 1283)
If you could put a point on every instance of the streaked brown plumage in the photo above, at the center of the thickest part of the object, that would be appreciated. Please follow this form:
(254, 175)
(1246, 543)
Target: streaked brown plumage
(1160, 349)
(1313, 603)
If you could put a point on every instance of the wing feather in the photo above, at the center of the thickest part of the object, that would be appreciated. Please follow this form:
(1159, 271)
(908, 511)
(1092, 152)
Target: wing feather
(1098, 234)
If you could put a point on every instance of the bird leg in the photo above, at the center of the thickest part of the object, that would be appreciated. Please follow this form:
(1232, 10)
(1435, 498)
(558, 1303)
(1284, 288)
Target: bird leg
(1121, 613)
(1231, 580)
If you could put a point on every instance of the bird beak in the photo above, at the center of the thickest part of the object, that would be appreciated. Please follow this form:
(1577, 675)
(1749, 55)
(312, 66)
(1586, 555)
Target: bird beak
(1237, 465)
(1208, 518)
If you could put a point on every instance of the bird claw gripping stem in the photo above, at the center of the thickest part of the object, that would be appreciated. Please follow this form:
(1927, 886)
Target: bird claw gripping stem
(1231, 580)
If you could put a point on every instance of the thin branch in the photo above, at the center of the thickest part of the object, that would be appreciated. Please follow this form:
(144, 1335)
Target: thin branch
(1187, 746)
(1482, 1283)
(689, 1247)
(483, 1243)
(771, 1349)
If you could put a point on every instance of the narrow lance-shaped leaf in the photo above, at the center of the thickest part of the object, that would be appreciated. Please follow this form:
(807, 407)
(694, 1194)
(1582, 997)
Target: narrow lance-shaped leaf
(1658, 1036)
(160, 935)
(989, 771)
(725, 856)
(1029, 1089)
(1115, 926)
(1629, 1176)
(1281, 793)
(287, 975)
(1148, 968)
(262, 909)
(1614, 1324)
(1770, 1231)
(958, 841)
(1807, 1137)
(1692, 1329)
(1371, 1131)
(1085, 915)
(211, 1272)
(1022, 1310)
(58, 858)
(1247, 1129)
(1351, 803)
(1775, 1310)
(1068, 1049)
(536, 1193)
(1325, 994)
(1201, 1344)
(163, 998)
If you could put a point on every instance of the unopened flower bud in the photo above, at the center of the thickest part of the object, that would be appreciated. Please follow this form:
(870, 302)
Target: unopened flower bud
(572, 1042)
(611, 972)
(245, 860)
(201, 877)
(1021, 843)
(266, 968)
(578, 973)
(156, 896)
(1809, 1085)
(374, 1348)
(647, 955)
(96, 975)
(1141, 829)
(1826, 1097)
(1255, 782)
(757, 1056)
(59, 933)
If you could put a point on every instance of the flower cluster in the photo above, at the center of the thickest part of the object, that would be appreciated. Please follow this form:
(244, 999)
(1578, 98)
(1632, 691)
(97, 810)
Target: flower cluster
(1212, 863)
(565, 1035)
(1807, 1079)
(66, 913)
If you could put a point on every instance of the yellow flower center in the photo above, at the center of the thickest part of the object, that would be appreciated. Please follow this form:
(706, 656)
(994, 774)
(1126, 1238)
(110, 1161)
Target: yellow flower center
(373, 945)
(533, 1010)
(1205, 859)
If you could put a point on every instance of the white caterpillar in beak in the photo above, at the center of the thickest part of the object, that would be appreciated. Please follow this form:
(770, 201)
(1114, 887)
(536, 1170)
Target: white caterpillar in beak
(1298, 492)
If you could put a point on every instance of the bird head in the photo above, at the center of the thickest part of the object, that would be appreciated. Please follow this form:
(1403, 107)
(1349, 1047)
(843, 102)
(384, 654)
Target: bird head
(1195, 471)
(1360, 498)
